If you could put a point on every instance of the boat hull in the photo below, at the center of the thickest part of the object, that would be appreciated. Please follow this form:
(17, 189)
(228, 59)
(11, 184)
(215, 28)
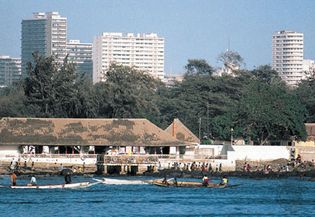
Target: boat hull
(108, 181)
(73, 185)
(189, 184)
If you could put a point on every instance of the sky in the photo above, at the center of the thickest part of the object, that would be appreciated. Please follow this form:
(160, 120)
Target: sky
(191, 28)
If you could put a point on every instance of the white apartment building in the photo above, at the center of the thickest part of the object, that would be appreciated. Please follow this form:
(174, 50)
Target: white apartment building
(10, 70)
(142, 51)
(309, 68)
(81, 55)
(288, 55)
(45, 33)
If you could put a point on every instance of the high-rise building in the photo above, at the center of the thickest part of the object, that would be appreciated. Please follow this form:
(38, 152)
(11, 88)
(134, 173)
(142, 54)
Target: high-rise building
(45, 33)
(309, 68)
(81, 55)
(10, 70)
(288, 55)
(142, 51)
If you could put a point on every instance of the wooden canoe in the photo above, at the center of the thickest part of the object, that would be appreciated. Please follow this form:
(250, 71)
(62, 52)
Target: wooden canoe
(108, 181)
(189, 184)
(73, 185)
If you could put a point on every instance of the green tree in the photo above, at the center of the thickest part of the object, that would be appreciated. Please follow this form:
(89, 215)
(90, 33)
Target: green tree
(266, 74)
(306, 93)
(40, 82)
(12, 101)
(198, 67)
(269, 112)
(231, 60)
(126, 93)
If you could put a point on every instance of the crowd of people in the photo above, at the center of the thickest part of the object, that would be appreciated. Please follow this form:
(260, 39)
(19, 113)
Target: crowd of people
(194, 166)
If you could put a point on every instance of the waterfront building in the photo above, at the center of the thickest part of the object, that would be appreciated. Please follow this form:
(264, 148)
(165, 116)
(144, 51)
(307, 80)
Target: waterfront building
(142, 51)
(10, 70)
(80, 54)
(44, 33)
(288, 55)
(111, 143)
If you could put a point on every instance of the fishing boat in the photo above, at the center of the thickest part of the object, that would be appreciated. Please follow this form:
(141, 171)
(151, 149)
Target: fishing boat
(120, 181)
(73, 185)
(189, 184)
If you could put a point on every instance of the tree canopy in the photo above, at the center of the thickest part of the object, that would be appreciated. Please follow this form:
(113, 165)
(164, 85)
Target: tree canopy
(256, 104)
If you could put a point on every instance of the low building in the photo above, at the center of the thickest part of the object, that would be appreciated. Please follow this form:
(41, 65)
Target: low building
(79, 141)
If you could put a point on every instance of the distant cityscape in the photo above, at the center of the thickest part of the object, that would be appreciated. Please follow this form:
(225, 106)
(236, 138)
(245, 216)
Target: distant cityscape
(46, 33)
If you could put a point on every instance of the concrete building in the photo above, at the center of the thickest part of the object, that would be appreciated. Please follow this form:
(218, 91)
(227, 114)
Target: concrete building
(170, 80)
(309, 68)
(81, 55)
(45, 33)
(143, 51)
(288, 55)
(10, 70)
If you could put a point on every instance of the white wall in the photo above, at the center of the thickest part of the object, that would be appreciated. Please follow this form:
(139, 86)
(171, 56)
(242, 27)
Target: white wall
(257, 153)
(63, 160)
(227, 164)
(216, 148)
(9, 150)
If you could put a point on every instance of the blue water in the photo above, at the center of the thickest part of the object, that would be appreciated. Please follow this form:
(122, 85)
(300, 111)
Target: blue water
(272, 197)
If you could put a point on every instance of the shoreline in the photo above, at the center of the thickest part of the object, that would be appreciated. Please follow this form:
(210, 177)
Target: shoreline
(181, 174)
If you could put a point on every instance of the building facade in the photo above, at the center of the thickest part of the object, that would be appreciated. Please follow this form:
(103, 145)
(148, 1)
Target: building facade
(46, 34)
(10, 70)
(81, 55)
(288, 55)
(143, 51)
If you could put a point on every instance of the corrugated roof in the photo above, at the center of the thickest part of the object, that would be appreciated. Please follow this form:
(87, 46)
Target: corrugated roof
(64, 131)
(178, 130)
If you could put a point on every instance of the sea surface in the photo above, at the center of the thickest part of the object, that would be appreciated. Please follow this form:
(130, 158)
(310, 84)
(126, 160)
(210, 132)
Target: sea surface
(253, 197)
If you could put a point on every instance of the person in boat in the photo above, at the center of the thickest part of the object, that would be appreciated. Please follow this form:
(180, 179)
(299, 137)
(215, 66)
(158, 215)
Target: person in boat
(175, 181)
(13, 179)
(67, 179)
(224, 181)
(205, 180)
(165, 180)
(33, 181)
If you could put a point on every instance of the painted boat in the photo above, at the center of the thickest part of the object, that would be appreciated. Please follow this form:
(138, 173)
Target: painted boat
(189, 184)
(120, 182)
(72, 185)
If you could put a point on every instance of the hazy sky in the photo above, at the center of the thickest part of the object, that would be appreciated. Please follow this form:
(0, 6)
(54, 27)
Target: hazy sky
(191, 28)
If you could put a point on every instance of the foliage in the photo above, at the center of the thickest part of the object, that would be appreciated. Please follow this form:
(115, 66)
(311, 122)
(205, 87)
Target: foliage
(256, 104)
(126, 93)
(306, 93)
(198, 67)
(231, 60)
(12, 101)
(269, 112)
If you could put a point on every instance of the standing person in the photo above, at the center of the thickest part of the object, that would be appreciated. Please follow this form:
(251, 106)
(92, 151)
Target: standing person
(67, 179)
(175, 181)
(13, 179)
(33, 181)
(205, 180)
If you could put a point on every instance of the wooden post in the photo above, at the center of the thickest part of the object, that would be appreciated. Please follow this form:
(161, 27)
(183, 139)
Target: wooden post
(105, 169)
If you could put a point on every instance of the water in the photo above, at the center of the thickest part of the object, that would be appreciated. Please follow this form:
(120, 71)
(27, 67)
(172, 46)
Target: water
(283, 197)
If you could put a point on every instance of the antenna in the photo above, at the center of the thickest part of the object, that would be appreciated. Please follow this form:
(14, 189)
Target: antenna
(228, 43)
